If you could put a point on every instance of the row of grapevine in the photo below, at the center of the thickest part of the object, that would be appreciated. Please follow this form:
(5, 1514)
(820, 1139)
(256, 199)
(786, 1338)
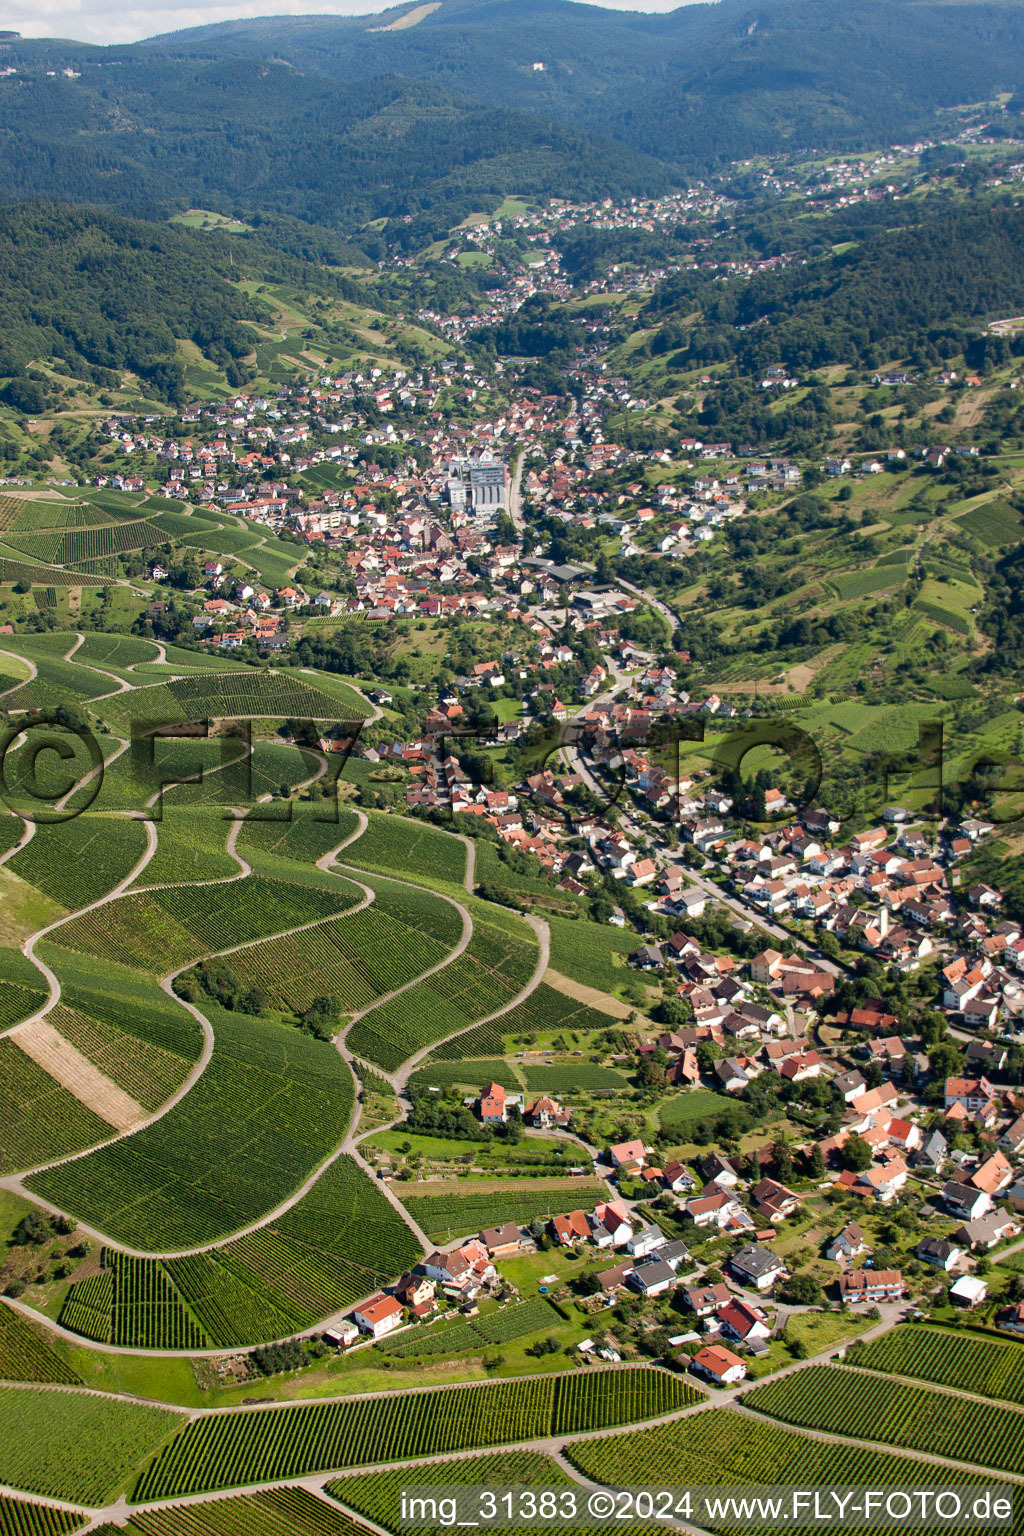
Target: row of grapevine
(271, 1104)
(974, 1364)
(164, 928)
(24, 1353)
(247, 693)
(878, 1408)
(444, 1215)
(88, 1307)
(76, 862)
(141, 1068)
(39, 1120)
(313, 1262)
(302, 840)
(19, 1518)
(595, 1399)
(495, 966)
(452, 1338)
(79, 1447)
(481, 1040)
(22, 989)
(98, 989)
(351, 960)
(460, 1335)
(57, 514)
(467, 1073)
(11, 508)
(401, 846)
(148, 1312)
(232, 1449)
(277, 1512)
(548, 1009)
(230, 1312)
(377, 1495)
(115, 650)
(43, 575)
(724, 1447)
(565, 1076)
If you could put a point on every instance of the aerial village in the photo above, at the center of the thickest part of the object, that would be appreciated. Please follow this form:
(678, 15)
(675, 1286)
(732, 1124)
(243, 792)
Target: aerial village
(413, 494)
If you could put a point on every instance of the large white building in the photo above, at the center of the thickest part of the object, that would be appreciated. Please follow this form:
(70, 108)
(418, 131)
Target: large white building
(478, 483)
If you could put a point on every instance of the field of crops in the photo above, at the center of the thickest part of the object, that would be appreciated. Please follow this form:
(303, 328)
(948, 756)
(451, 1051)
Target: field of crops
(99, 539)
(682, 1114)
(548, 1009)
(496, 965)
(88, 1307)
(994, 522)
(167, 928)
(29, 515)
(401, 934)
(460, 1335)
(483, 1040)
(311, 1263)
(76, 862)
(451, 1338)
(41, 575)
(131, 780)
(894, 1413)
(270, 1106)
(189, 847)
(230, 1450)
(39, 1120)
(57, 681)
(872, 579)
(20, 1518)
(377, 1494)
(277, 1512)
(974, 1364)
(949, 617)
(24, 1353)
(587, 952)
(110, 1437)
(271, 846)
(441, 1216)
(148, 1312)
(722, 1447)
(115, 650)
(251, 693)
(228, 1309)
(22, 989)
(516, 1322)
(397, 845)
(98, 990)
(252, 775)
(567, 1076)
(468, 1074)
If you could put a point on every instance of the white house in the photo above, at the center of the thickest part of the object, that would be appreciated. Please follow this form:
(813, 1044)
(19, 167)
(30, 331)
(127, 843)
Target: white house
(379, 1316)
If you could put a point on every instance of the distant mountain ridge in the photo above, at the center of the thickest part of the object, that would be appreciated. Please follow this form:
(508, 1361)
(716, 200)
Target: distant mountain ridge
(697, 85)
(335, 123)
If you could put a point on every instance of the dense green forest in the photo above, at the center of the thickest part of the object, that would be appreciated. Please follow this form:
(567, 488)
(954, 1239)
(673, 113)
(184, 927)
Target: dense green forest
(884, 297)
(99, 293)
(333, 122)
(702, 84)
(151, 135)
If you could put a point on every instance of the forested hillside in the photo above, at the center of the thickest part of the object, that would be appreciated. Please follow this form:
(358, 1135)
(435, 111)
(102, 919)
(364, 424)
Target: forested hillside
(699, 85)
(151, 135)
(874, 301)
(98, 293)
